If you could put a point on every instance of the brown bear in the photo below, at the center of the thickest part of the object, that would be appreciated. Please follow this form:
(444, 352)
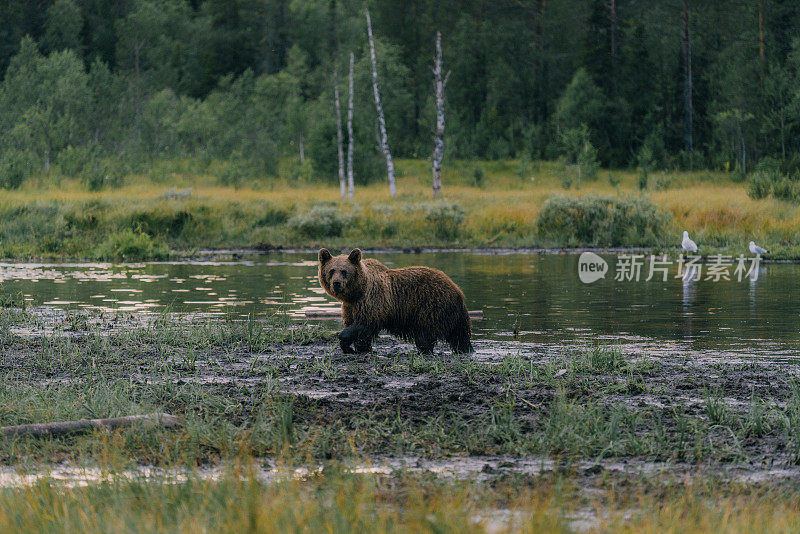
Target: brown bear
(417, 304)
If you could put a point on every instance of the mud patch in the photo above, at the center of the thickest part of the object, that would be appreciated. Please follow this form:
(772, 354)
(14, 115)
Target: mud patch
(511, 408)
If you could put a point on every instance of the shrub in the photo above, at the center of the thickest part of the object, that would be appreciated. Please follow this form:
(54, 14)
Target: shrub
(380, 220)
(785, 189)
(768, 179)
(580, 156)
(15, 168)
(321, 221)
(160, 222)
(606, 221)
(759, 185)
(292, 170)
(101, 173)
(84, 217)
(770, 166)
(74, 159)
(478, 175)
(524, 166)
(230, 173)
(663, 182)
(235, 171)
(273, 216)
(130, 245)
(445, 218)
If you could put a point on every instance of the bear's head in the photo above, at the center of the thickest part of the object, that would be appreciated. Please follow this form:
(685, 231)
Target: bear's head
(340, 275)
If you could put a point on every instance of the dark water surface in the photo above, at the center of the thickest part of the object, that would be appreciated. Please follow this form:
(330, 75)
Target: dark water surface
(538, 295)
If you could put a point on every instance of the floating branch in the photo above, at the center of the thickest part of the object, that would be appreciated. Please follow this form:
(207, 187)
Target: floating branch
(61, 428)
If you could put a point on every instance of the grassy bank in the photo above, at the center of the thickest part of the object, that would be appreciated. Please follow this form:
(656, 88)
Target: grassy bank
(488, 204)
(336, 501)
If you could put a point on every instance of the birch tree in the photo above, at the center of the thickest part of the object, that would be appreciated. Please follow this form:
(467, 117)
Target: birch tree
(342, 184)
(384, 139)
(438, 142)
(350, 185)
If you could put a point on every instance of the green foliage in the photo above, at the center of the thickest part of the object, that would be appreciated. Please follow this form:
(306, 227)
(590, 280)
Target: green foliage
(63, 27)
(524, 166)
(759, 185)
(147, 79)
(162, 221)
(581, 103)
(101, 173)
(768, 178)
(233, 172)
(580, 157)
(786, 189)
(272, 215)
(15, 167)
(445, 219)
(73, 160)
(45, 99)
(645, 160)
(157, 38)
(132, 245)
(294, 171)
(663, 182)
(601, 221)
(381, 221)
(478, 176)
(320, 222)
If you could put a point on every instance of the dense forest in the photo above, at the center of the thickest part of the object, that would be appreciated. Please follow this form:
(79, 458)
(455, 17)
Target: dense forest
(97, 88)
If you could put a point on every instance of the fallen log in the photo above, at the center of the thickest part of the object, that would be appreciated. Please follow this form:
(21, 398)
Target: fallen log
(61, 428)
(475, 315)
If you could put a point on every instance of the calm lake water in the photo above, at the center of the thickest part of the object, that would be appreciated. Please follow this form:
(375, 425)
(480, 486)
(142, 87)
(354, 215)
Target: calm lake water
(538, 295)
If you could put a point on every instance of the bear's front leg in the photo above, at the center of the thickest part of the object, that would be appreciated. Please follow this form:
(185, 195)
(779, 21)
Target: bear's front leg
(364, 341)
(348, 336)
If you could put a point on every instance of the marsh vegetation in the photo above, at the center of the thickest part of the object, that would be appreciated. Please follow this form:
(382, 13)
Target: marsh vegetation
(276, 413)
(190, 211)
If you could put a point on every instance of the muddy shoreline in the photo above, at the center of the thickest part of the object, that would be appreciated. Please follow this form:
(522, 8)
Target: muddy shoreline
(591, 410)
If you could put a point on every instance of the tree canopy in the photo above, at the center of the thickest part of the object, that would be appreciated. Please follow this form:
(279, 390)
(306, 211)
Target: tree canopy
(251, 81)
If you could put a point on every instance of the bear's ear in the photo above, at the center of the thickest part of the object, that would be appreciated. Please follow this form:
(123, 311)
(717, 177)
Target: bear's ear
(324, 255)
(355, 256)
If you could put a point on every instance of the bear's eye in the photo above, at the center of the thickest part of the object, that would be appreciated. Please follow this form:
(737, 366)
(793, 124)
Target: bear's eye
(330, 273)
(344, 274)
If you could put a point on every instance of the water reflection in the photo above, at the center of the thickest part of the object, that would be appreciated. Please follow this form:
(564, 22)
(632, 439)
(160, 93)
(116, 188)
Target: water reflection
(538, 296)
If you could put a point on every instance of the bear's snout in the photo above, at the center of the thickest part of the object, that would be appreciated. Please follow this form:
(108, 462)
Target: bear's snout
(336, 285)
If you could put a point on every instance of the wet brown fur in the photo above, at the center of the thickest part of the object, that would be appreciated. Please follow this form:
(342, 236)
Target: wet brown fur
(417, 304)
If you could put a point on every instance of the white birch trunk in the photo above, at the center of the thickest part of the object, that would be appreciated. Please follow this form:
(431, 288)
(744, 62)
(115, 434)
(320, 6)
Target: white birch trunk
(381, 121)
(342, 184)
(438, 140)
(350, 185)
